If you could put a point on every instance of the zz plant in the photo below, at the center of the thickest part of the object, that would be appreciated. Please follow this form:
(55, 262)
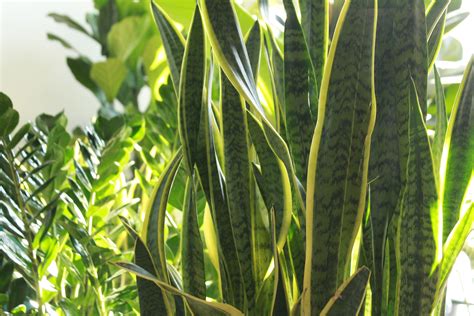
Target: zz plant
(311, 163)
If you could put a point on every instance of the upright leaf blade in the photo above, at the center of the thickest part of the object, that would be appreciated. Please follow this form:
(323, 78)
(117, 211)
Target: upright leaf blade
(155, 220)
(191, 90)
(417, 241)
(458, 154)
(315, 20)
(223, 31)
(298, 70)
(237, 174)
(406, 54)
(192, 246)
(337, 171)
(173, 43)
(441, 122)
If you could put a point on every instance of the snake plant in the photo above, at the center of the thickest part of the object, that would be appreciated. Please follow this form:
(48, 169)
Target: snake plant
(309, 156)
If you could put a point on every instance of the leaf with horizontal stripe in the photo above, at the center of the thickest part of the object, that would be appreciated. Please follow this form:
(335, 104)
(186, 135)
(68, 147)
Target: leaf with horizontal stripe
(237, 175)
(417, 241)
(191, 90)
(458, 156)
(298, 70)
(192, 250)
(397, 57)
(173, 42)
(337, 170)
(349, 297)
(225, 35)
(315, 21)
(153, 227)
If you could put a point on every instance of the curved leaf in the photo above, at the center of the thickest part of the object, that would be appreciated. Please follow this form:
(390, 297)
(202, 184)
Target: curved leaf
(223, 31)
(198, 306)
(173, 43)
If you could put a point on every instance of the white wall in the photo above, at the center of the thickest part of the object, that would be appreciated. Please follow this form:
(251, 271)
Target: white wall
(33, 70)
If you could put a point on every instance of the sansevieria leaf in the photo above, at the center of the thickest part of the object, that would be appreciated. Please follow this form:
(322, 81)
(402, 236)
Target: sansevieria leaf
(458, 154)
(349, 297)
(337, 170)
(198, 306)
(253, 44)
(298, 70)
(191, 90)
(153, 227)
(274, 181)
(418, 215)
(214, 187)
(237, 175)
(315, 20)
(150, 295)
(388, 158)
(192, 246)
(441, 122)
(223, 31)
(173, 42)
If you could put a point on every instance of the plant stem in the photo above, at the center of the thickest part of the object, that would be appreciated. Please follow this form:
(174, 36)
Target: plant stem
(26, 224)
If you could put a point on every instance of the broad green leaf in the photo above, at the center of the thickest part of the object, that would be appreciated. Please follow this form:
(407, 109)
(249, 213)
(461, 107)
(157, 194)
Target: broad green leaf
(109, 76)
(126, 35)
(349, 297)
(238, 174)
(9, 118)
(337, 169)
(315, 21)
(418, 219)
(222, 29)
(458, 153)
(191, 91)
(396, 59)
(298, 70)
(441, 122)
(198, 306)
(173, 43)
(81, 68)
(191, 246)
